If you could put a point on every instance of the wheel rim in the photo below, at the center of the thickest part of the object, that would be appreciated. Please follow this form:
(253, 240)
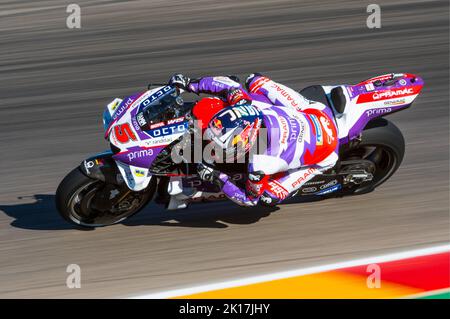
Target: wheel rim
(384, 160)
(86, 211)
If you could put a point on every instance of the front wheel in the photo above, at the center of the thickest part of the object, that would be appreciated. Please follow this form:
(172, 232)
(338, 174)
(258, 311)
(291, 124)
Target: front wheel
(378, 155)
(93, 203)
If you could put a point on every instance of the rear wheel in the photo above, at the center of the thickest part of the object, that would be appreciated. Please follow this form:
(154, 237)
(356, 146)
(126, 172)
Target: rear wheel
(93, 203)
(375, 159)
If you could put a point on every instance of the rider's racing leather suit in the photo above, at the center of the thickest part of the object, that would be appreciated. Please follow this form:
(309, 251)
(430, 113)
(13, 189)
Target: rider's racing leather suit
(302, 139)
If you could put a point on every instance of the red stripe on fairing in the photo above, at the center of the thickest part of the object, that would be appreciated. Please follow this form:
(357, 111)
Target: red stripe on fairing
(425, 272)
(369, 97)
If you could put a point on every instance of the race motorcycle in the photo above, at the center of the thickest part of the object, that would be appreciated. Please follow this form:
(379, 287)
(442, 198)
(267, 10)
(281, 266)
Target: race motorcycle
(111, 186)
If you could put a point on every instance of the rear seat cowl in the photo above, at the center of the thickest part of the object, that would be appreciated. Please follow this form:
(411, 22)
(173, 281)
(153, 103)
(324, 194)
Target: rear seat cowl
(338, 98)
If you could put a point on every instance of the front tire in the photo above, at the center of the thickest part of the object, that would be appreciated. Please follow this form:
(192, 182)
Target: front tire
(88, 202)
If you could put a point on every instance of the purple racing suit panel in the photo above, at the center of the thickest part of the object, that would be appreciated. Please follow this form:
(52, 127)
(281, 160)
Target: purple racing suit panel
(281, 95)
(235, 193)
(295, 150)
(273, 188)
(277, 94)
(289, 131)
(218, 85)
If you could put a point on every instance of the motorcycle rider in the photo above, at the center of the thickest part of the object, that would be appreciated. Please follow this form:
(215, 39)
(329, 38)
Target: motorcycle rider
(302, 136)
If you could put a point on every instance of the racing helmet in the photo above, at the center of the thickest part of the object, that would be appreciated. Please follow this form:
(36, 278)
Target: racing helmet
(234, 130)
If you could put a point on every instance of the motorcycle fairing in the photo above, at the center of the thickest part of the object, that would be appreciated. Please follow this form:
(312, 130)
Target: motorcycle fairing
(138, 148)
(374, 98)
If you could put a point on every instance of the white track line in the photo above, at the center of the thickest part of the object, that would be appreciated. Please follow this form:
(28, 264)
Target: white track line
(295, 272)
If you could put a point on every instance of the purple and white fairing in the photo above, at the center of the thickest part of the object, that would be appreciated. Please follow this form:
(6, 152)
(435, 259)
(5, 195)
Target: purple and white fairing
(374, 98)
(137, 153)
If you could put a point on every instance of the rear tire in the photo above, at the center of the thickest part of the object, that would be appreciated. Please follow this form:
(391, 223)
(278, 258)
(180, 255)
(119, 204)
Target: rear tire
(77, 196)
(387, 146)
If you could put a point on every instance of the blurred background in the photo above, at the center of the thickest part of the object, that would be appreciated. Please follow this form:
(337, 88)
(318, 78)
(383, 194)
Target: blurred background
(55, 82)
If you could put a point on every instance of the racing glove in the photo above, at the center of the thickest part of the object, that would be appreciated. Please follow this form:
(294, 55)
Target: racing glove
(180, 81)
(237, 96)
(208, 174)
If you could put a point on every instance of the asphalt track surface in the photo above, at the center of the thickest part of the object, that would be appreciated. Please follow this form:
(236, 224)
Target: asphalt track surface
(54, 83)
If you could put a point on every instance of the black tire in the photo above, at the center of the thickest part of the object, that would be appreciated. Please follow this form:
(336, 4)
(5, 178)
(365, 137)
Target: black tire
(389, 149)
(69, 191)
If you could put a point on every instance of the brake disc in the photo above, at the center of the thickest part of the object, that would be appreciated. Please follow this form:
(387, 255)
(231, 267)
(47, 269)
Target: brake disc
(357, 171)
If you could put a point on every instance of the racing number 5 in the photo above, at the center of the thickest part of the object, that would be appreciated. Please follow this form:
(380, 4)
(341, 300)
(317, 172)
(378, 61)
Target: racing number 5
(124, 133)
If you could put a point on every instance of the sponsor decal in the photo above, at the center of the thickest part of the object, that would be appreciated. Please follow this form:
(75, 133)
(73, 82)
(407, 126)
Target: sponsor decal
(141, 119)
(369, 87)
(326, 126)
(378, 112)
(90, 164)
(217, 124)
(284, 130)
(168, 130)
(122, 108)
(295, 133)
(156, 125)
(278, 190)
(158, 94)
(158, 141)
(239, 111)
(286, 95)
(304, 177)
(329, 190)
(395, 102)
(135, 124)
(139, 173)
(332, 183)
(114, 104)
(388, 94)
(309, 189)
(168, 122)
(139, 154)
(175, 121)
(302, 132)
(317, 126)
(402, 82)
(314, 183)
(392, 93)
